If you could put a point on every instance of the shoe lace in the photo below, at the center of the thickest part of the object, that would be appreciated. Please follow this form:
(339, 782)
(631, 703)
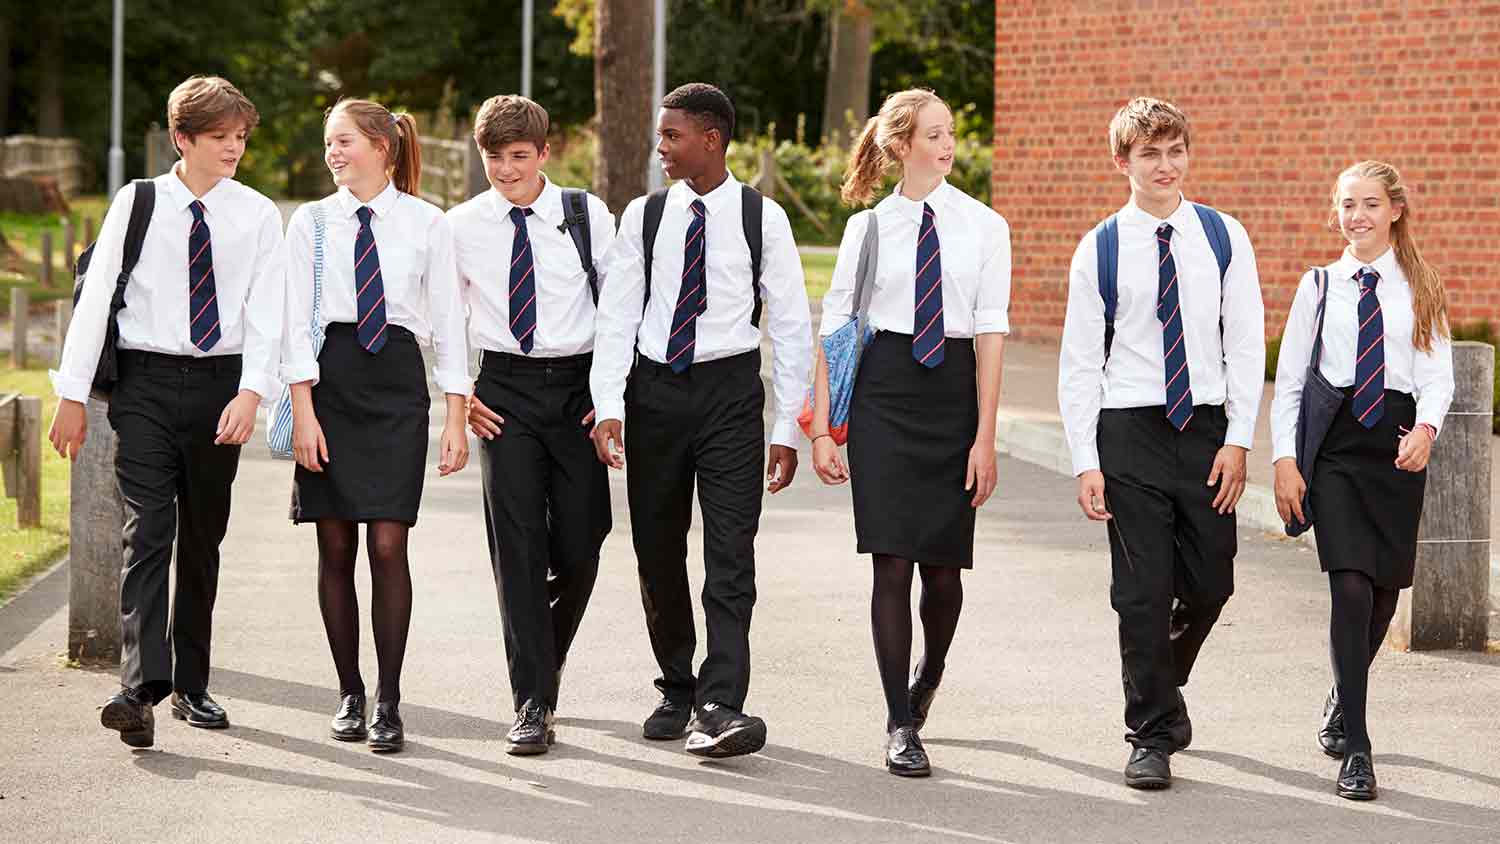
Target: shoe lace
(532, 715)
(1359, 766)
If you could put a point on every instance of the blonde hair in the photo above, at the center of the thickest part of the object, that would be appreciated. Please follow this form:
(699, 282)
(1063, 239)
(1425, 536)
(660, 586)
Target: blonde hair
(204, 103)
(394, 133)
(1429, 302)
(1145, 119)
(876, 151)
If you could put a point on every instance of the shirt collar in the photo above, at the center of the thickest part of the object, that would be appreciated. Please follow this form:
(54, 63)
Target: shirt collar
(381, 204)
(181, 196)
(903, 206)
(547, 207)
(682, 196)
(1183, 215)
(1387, 265)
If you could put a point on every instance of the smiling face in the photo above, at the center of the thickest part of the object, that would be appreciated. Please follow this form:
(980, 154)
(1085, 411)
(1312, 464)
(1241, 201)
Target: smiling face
(1156, 170)
(515, 170)
(355, 161)
(929, 150)
(1366, 214)
(686, 148)
(216, 152)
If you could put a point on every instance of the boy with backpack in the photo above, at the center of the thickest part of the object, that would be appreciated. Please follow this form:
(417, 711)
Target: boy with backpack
(525, 253)
(179, 320)
(1159, 384)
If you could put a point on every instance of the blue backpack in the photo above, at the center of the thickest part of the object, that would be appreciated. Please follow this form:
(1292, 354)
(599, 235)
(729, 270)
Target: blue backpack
(1107, 244)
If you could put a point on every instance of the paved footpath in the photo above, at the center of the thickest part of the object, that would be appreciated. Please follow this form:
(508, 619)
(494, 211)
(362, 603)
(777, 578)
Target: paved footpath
(1026, 735)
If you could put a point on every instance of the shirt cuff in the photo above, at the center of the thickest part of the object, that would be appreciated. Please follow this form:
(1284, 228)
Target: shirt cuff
(1284, 447)
(992, 321)
(297, 373)
(609, 410)
(832, 322)
(786, 433)
(1437, 424)
(457, 383)
(1240, 433)
(265, 386)
(70, 387)
(1085, 460)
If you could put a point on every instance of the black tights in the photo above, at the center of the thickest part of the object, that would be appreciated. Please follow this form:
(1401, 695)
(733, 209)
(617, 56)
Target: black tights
(890, 618)
(390, 582)
(1361, 614)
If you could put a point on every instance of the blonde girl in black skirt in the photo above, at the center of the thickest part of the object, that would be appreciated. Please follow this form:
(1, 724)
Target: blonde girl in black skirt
(1386, 344)
(360, 405)
(922, 417)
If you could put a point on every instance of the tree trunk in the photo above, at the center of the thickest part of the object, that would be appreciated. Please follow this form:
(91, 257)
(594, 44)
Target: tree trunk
(622, 91)
(50, 55)
(5, 75)
(846, 101)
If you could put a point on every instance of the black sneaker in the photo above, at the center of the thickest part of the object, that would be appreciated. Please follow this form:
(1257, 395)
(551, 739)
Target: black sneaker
(1331, 732)
(668, 721)
(130, 713)
(1148, 769)
(719, 732)
(532, 733)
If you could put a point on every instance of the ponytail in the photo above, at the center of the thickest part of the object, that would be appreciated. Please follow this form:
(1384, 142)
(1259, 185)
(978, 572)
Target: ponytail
(867, 166)
(876, 151)
(407, 155)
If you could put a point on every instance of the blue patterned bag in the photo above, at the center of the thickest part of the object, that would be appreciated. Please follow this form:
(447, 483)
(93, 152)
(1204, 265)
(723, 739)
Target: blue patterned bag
(279, 431)
(842, 348)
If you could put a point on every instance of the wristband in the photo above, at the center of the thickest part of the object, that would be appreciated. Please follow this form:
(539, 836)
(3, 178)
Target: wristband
(821, 436)
(1431, 431)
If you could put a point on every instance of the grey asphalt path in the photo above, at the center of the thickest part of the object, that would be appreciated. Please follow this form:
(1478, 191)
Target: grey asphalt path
(1025, 735)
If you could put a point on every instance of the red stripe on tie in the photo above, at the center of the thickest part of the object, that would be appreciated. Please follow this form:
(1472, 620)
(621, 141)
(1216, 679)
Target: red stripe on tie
(1175, 312)
(1180, 400)
(525, 247)
(935, 286)
(522, 311)
(1174, 347)
(923, 239)
(370, 313)
(680, 351)
(200, 282)
(926, 265)
(1171, 284)
(688, 296)
(526, 334)
(366, 255)
(200, 253)
(372, 278)
(693, 239)
(691, 316)
(196, 224)
(520, 281)
(1173, 379)
(1368, 380)
(1374, 404)
(934, 350)
(930, 322)
(1372, 316)
(691, 267)
(376, 337)
(1166, 256)
(1378, 341)
(207, 334)
(205, 307)
(1363, 290)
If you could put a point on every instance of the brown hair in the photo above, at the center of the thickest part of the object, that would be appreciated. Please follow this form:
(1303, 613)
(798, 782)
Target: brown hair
(1429, 302)
(877, 150)
(394, 133)
(507, 119)
(204, 103)
(1145, 119)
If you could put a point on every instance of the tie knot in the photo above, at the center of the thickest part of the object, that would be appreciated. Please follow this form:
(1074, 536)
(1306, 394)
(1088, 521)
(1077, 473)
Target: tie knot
(519, 215)
(364, 212)
(1367, 277)
(928, 213)
(196, 206)
(699, 208)
(1164, 231)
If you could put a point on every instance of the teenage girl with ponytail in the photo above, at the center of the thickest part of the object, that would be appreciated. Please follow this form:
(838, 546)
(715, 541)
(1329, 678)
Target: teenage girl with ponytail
(922, 416)
(360, 404)
(1386, 343)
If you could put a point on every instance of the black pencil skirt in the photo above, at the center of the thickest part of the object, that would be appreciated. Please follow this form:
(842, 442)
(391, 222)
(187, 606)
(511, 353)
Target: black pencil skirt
(910, 431)
(1368, 510)
(373, 410)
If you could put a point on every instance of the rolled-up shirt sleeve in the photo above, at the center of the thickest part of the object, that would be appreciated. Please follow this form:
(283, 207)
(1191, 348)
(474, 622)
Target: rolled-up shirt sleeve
(445, 303)
(788, 322)
(992, 306)
(265, 309)
(1291, 368)
(1432, 375)
(299, 361)
(1244, 316)
(1080, 370)
(622, 284)
(838, 302)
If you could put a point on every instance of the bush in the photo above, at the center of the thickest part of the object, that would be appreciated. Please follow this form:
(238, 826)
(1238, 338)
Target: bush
(1273, 353)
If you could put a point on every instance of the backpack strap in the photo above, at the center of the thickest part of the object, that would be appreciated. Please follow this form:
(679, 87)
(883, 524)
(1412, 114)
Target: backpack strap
(1218, 237)
(656, 203)
(752, 204)
(1107, 245)
(141, 209)
(576, 223)
(1320, 277)
(869, 263)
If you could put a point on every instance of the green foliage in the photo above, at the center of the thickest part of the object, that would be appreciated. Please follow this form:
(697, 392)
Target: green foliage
(1483, 331)
(1273, 354)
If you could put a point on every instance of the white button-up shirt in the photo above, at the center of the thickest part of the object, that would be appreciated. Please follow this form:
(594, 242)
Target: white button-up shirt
(245, 238)
(415, 246)
(725, 329)
(974, 245)
(1227, 370)
(483, 237)
(1426, 375)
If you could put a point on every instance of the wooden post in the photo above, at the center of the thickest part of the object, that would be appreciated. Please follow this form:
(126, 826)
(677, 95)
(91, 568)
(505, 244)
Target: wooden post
(88, 231)
(62, 317)
(475, 180)
(67, 249)
(46, 271)
(1448, 604)
(29, 450)
(96, 524)
(20, 307)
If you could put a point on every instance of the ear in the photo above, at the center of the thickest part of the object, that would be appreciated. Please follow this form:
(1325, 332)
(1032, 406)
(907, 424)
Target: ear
(1397, 211)
(1122, 164)
(544, 154)
(181, 140)
(712, 138)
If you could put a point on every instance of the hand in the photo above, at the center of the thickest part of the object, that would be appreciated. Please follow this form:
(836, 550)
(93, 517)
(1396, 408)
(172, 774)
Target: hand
(827, 463)
(1229, 473)
(781, 467)
(70, 426)
(588, 423)
(1290, 489)
(1091, 495)
(1415, 449)
(609, 443)
(308, 444)
(237, 422)
(982, 475)
(453, 447)
(485, 423)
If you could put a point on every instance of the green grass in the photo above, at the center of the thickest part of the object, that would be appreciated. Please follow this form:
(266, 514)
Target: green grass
(24, 234)
(23, 553)
(819, 271)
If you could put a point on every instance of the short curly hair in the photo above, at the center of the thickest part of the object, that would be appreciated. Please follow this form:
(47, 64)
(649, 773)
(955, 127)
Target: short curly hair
(706, 104)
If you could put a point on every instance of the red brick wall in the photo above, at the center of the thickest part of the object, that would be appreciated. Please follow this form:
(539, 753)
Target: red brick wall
(1281, 97)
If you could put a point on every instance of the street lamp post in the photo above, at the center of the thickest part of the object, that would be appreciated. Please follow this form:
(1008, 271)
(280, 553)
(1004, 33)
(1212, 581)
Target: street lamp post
(528, 8)
(116, 105)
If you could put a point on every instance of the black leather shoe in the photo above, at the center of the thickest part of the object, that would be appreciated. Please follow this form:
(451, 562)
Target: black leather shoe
(1331, 732)
(719, 732)
(532, 732)
(130, 713)
(199, 710)
(1181, 730)
(904, 754)
(1356, 777)
(1148, 769)
(348, 723)
(387, 733)
(669, 720)
(919, 697)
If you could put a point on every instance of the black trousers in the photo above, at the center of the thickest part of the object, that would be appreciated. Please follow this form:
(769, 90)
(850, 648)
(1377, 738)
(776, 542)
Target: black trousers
(1172, 555)
(546, 509)
(706, 426)
(175, 484)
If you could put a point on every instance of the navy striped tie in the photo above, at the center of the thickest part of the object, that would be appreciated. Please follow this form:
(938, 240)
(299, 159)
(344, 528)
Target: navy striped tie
(1368, 404)
(370, 298)
(1174, 351)
(522, 283)
(927, 322)
(203, 297)
(692, 296)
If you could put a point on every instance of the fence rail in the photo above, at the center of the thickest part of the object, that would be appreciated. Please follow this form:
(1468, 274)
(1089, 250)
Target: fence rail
(30, 156)
(452, 172)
